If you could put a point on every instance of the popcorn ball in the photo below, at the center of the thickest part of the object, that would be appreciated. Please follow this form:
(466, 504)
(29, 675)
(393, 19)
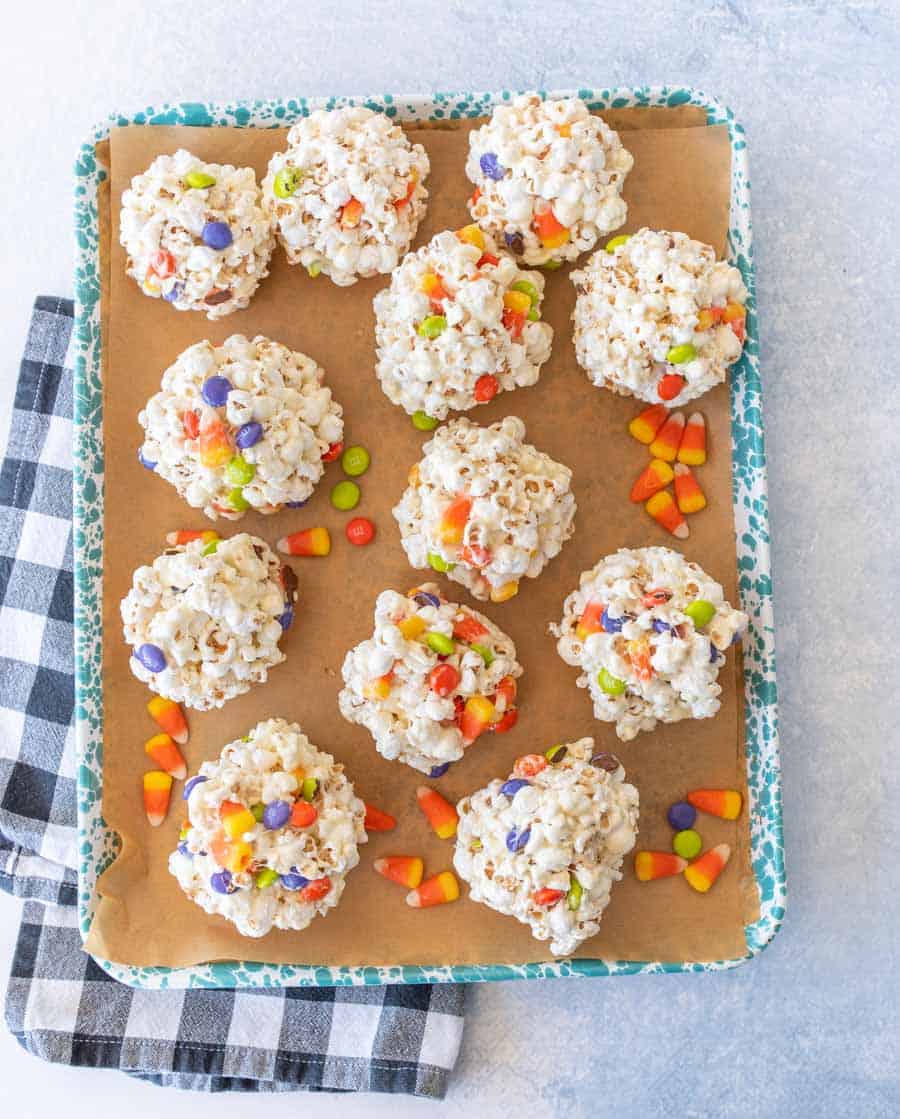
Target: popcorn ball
(546, 845)
(196, 234)
(649, 630)
(548, 178)
(459, 323)
(432, 678)
(658, 317)
(204, 621)
(485, 508)
(347, 196)
(273, 828)
(240, 426)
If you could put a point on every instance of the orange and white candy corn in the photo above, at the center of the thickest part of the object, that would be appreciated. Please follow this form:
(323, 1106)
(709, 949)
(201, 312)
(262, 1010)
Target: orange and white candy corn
(703, 872)
(650, 865)
(668, 438)
(187, 536)
(476, 717)
(405, 870)
(690, 498)
(655, 478)
(724, 803)
(645, 425)
(434, 891)
(438, 812)
(692, 449)
(157, 790)
(306, 542)
(162, 750)
(664, 511)
(169, 717)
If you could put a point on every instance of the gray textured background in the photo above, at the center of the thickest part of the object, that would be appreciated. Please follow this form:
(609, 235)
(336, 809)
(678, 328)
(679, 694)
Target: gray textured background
(811, 1028)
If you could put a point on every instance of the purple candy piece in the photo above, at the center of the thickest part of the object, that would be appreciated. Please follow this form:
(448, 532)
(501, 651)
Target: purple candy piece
(515, 841)
(145, 462)
(511, 787)
(737, 638)
(439, 770)
(248, 435)
(221, 882)
(660, 626)
(151, 657)
(490, 166)
(515, 242)
(286, 620)
(190, 785)
(294, 881)
(423, 598)
(296, 504)
(611, 625)
(216, 235)
(174, 293)
(713, 653)
(183, 849)
(215, 391)
(276, 814)
(682, 815)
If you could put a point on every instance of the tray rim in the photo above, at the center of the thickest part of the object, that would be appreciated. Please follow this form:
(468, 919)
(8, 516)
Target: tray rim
(97, 844)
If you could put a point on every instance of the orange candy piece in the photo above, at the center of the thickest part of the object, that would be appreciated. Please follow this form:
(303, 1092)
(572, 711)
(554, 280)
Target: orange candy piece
(668, 438)
(529, 765)
(477, 716)
(551, 232)
(157, 790)
(724, 803)
(306, 542)
(303, 814)
(638, 653)
(703, 872)
(162, 750)
(692, 448)
(655, 478)
(168, 715)
(405, 870)
(690, 498)
(434, 891)
(187, 536)
(399, 203)
(591, 620)
(664, 511)
(453, 520)
(467, 628)
(438, 812)
(645, 425)
(351, 213)
(650, 865)
(376, 820)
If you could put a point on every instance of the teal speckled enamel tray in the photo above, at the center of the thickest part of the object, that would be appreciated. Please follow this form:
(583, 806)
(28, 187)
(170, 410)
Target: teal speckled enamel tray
(97, 843)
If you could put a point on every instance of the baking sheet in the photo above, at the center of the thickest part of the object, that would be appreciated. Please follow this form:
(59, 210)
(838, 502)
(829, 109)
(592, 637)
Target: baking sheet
(680, 181)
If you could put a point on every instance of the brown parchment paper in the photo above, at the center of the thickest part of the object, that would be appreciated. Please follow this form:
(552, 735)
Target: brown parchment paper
(680, 181)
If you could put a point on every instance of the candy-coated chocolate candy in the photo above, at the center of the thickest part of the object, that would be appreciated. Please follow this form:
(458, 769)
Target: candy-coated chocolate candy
(199, 180)
(665, 512)
(317, 889)
(161, 748)
(517, 301)
(217, 296)
(468, 628)
(490, 166)
(190, 422)
(412, 627)
(644, 427)
(471, 235)
(294, 881)
(147, 463)
(432, 326)
(528, 289)
(286, 620)
(168, 715)
(423, 598)
(700, 612)
(405, 870)
(514, 322)
(669, 386)
(687, 843)
(286, 181)
(351, 213)
(477, 716)
(434, 891)
(215, 390)
(221, 883)
(551, 232)
(707, 317)
(692, 448)
(611, 624)
(488, 258)
(192, 784)
(511, 787)
(609, 684)
(423, 422)
(556, 754)
(703, 872)
(438, 563)
(668, 438)
(355, 461)
(309, 788)
(443, 679)
(376, 820)
(333, 453)
(650, 865)
(484, 652)
(174, 293)
(517, 840)
(505, 592)
(360, 531)
(656, 477)
(248, 435)
(639, 652)
(575, 894)
(678, 355)
(506, 690)
(236, 819)
(276, 814)
(162, 264)
(682, 815)
(239, 472)
(306, 542)
(345, 496)
(529, 765)
(453, 520)
(724, 803)
(303, 814)
(157, 790)
(151, 657)
(547, 896)
(615, 242)
(474, 555)
(608, 762)
(690, 498)
(656, 596)
(440, 643)
(515, 242)
(438, 770)
(265, 878)
(439, 813)
(216, 235)
(486, 388)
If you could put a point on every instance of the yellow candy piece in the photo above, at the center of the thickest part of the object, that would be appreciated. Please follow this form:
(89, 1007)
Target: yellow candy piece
(377, 689)
(413, 627)
(471, 235)
(507, 591)
(517, 301)
(734, 311)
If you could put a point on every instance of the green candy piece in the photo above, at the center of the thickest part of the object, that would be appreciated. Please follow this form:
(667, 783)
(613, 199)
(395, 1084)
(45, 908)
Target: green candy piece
(286, 181)
(355, 461)
(556, 754)
(614, 243)
(533, 315)
(265, 878)
(438, 563)
(309, 788)
(678, 355)
(551, 265)
(527, 288)
(575, 894)
(687, 843)
(700, 612)
(432, 326)
(475, 845)
(610, 684)
(440, 643)
(210, 548)
(239, 472)
(423, 421)
(237, 501)
(199, 180)
(314, 269)
(257, 810)
(345, 495)
(484, 652)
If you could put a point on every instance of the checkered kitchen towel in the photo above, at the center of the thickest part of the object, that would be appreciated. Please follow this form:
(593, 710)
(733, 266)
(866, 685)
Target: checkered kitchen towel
(61, 1005)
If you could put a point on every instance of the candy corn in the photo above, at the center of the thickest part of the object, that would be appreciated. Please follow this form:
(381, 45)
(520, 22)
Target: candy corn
(434, 891)
(724, 803)
(406, 870)
(650, 865)
(236, 819)
(169, 716)
(161, 749)
(668, 438)
(157, 788)
(664, 511)
(477, 716)
(453, 520)
(692, 449)
(306, 542)
(376, 820)
(233, 855)
(690, 498)
(214, 443)
(186, 535)
(645, 426)
(551, 231)
(440, 813)
(591, 620)
(656, 477)
(379, 688)
(704, 871)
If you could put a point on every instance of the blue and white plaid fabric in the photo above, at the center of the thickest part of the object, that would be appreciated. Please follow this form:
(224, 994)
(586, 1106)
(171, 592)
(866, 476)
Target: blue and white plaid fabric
(60, 1004)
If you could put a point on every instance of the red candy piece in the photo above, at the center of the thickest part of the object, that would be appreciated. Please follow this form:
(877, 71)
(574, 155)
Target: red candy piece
(529, 765)
(658, 596)
(486, 388)
(547, 896)
(376, 820)
(487, 258)
(333, 452)
(162, 263)
(360, 531)
(190, 421)
(514, 321)
(316, 890)
(443, 679)
(508, 721)
(303, 814)
(468, 629)
(475, 555)
(507, 689)
(670, 386)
